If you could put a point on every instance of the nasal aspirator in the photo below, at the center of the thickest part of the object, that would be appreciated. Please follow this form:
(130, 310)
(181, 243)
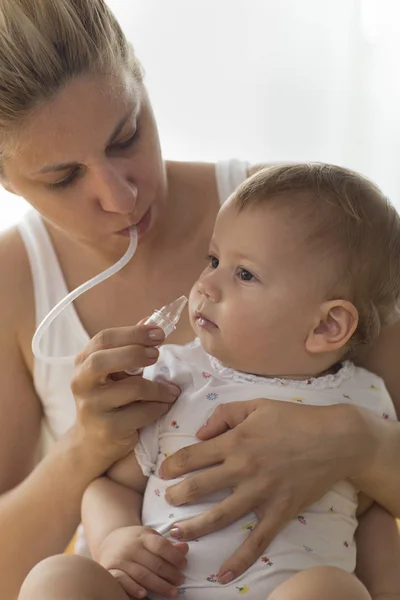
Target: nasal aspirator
(166, 317)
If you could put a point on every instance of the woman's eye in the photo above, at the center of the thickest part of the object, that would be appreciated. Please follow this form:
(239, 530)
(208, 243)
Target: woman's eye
(65, 182)
(245, 275)
(214, 262)
(126, 144)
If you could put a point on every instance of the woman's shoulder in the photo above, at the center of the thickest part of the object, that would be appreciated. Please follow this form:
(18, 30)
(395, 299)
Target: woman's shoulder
(203, 177)
(193, 188)
(16, 290)
(194, 172)
(204, 183)
(14, 262)
(192, 177)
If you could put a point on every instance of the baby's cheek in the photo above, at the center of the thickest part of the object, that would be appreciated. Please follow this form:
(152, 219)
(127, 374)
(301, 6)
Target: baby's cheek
(247, 326)
(245, 338)
(193, 298)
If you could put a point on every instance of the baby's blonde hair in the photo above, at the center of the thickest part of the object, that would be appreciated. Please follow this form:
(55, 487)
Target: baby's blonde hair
(46, 43)
(350, 227)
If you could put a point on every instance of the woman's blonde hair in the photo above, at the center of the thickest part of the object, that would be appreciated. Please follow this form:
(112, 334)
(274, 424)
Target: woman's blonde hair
(45, 43)
(350, 228)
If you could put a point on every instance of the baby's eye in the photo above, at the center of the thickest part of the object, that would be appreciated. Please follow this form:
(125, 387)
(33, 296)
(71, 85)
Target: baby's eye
(245, 275)
(213, 260)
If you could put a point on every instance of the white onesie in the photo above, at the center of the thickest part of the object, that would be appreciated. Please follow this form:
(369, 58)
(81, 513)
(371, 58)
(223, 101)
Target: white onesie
(322, 535)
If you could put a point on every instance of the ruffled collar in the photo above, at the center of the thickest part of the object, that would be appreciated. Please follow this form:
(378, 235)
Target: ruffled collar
(332, 380)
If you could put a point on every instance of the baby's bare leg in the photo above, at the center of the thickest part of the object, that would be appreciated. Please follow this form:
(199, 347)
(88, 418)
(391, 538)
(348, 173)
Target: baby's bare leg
(68, 577)
(327, 583)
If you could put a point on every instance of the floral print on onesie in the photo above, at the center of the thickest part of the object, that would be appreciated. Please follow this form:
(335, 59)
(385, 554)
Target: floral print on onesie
(321, 535)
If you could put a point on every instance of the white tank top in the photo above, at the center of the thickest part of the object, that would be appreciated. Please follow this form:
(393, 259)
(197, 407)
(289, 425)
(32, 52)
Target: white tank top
(67, 336)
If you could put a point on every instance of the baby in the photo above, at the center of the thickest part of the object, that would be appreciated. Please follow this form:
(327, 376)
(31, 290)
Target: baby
(304, 265)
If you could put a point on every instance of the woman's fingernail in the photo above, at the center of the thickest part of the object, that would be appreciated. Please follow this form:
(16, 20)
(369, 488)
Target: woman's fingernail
(226, 577)
(157, 334)
(173, 389)
(141, 593)
(151, 352)
(176, 533)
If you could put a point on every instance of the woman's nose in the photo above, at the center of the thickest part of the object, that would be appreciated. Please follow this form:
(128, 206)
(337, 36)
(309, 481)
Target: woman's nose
(115, 193)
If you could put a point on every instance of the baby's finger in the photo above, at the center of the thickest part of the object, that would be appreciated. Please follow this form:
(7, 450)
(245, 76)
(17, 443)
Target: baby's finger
(149, 580)
(160, 567)
(164, 549)
(133, 589)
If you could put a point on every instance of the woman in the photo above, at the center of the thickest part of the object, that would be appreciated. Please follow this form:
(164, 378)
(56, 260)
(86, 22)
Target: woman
(79, 142)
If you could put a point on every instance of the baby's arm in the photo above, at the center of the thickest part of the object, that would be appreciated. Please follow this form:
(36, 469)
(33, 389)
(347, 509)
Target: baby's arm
(378, 553)
(137, 556)
(113, 502)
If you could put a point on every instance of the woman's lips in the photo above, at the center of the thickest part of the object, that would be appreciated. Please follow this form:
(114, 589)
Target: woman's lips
(141, 227)
(144, 223)
(124, 232)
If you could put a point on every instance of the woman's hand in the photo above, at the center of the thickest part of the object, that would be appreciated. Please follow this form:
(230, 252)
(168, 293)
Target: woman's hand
(112, 406)
(141, 559)
(278, 458)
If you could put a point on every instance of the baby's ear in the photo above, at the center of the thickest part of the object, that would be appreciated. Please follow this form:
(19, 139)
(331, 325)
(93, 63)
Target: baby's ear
(335, 324)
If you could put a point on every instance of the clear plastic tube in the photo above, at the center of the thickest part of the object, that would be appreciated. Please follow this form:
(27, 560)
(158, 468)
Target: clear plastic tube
(53, 314)
(167, 318)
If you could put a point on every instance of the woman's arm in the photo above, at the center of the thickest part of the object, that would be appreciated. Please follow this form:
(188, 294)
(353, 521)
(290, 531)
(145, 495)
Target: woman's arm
(380, 477)
(383, 358)
(378, 554)
(381, 480)
(40, 508)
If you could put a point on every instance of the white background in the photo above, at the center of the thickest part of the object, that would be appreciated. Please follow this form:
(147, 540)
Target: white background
(269, 80)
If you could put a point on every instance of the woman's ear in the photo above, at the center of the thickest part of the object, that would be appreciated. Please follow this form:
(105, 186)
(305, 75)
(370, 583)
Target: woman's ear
(337, 321)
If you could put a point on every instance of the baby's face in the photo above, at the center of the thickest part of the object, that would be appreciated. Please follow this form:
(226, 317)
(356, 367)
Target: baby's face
(256, 301)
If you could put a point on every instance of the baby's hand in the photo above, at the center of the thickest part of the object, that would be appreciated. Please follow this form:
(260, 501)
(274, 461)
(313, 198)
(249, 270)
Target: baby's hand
(141, 559)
